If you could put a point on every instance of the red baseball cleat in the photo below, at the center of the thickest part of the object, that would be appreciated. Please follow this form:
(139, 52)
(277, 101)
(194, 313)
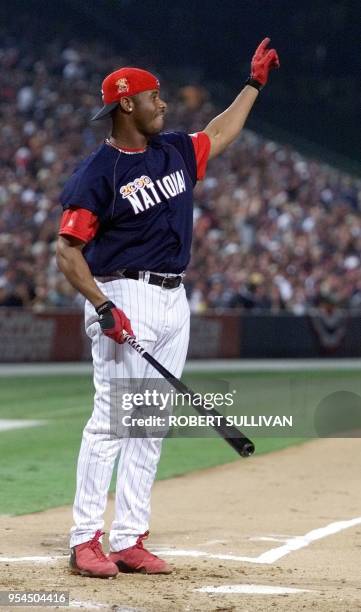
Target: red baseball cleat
(139, 559)
(88, 559)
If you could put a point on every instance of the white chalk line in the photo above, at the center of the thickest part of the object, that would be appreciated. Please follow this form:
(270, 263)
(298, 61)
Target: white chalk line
(192, 365)
(88, 605)
(91, 605)
(271, 538)
(45, 559)
(270, 556)
(251, 589)
(8, 424)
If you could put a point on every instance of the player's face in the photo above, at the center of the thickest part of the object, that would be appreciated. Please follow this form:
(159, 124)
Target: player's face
(149, 111)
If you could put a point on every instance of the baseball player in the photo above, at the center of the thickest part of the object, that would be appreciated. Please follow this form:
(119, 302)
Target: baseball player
(124, 243)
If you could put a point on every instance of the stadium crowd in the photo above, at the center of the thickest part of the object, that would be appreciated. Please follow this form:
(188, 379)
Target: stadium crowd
(272, 230)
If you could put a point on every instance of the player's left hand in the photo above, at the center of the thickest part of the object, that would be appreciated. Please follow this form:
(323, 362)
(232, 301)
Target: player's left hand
(113, 321)
(263, 61)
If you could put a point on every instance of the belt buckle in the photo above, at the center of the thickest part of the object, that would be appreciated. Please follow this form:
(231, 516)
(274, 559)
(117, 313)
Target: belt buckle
(164, 282)
(120, 273)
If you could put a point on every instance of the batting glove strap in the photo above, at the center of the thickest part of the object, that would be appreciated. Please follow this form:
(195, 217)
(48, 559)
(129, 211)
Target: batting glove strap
(254, 83)
(113, 321)
(108, 305)
(106, 315)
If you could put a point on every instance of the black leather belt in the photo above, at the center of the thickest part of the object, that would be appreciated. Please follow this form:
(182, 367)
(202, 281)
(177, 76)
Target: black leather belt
(166, 282)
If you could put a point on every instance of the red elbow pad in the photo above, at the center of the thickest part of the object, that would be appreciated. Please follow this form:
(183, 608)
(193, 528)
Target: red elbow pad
(80, 223)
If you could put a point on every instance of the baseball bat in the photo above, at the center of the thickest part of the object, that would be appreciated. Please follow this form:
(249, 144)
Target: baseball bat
(235, 438)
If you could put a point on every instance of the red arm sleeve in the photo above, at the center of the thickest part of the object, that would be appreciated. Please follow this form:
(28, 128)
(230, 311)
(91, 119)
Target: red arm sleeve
(80, 223)
(202, 146)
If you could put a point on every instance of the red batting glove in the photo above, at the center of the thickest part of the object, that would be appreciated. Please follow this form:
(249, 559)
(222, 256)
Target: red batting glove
(263, 61)
(112, 321)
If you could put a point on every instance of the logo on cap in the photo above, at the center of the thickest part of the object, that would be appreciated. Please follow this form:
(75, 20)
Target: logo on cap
(122, 85)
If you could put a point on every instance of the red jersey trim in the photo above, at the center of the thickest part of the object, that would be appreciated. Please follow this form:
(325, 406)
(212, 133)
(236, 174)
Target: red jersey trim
(202, 147)
(80, 223)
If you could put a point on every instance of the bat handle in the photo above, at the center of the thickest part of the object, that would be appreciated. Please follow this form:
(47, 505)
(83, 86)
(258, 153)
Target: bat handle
(133, 342)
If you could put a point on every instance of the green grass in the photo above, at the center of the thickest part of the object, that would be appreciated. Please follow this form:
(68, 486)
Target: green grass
(37, 465)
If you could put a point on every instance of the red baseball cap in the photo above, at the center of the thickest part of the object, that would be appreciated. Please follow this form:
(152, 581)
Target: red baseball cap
(124, 82)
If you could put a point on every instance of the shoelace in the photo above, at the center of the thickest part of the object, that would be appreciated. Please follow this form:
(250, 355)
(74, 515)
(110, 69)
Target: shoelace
(96, 546)
(139, 543)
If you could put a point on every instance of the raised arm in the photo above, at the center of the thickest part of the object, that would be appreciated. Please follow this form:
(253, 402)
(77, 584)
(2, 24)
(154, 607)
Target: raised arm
(225, 128)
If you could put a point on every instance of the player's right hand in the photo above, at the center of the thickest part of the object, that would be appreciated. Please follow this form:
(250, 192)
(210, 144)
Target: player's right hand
(113, 321)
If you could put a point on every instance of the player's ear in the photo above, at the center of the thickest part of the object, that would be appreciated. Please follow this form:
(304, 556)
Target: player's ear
(126, 104)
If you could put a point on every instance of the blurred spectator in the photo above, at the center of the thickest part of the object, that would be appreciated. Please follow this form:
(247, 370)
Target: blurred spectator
(272, 230)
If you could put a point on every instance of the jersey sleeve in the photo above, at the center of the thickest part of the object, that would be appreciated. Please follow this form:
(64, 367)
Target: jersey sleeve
(80, 223)
(184, 145)
(87, 189)
(202, 147)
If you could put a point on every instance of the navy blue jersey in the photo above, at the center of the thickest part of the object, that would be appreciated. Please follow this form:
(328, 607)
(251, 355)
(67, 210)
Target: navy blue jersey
(144, 203)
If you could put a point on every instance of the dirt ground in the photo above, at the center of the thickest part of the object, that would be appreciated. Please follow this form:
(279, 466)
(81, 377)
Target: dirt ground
(221, 511)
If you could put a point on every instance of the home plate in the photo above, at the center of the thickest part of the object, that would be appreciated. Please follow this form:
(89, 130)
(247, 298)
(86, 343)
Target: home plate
(250, 589)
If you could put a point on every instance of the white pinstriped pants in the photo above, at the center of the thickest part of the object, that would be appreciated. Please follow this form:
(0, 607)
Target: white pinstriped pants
(160, 321)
